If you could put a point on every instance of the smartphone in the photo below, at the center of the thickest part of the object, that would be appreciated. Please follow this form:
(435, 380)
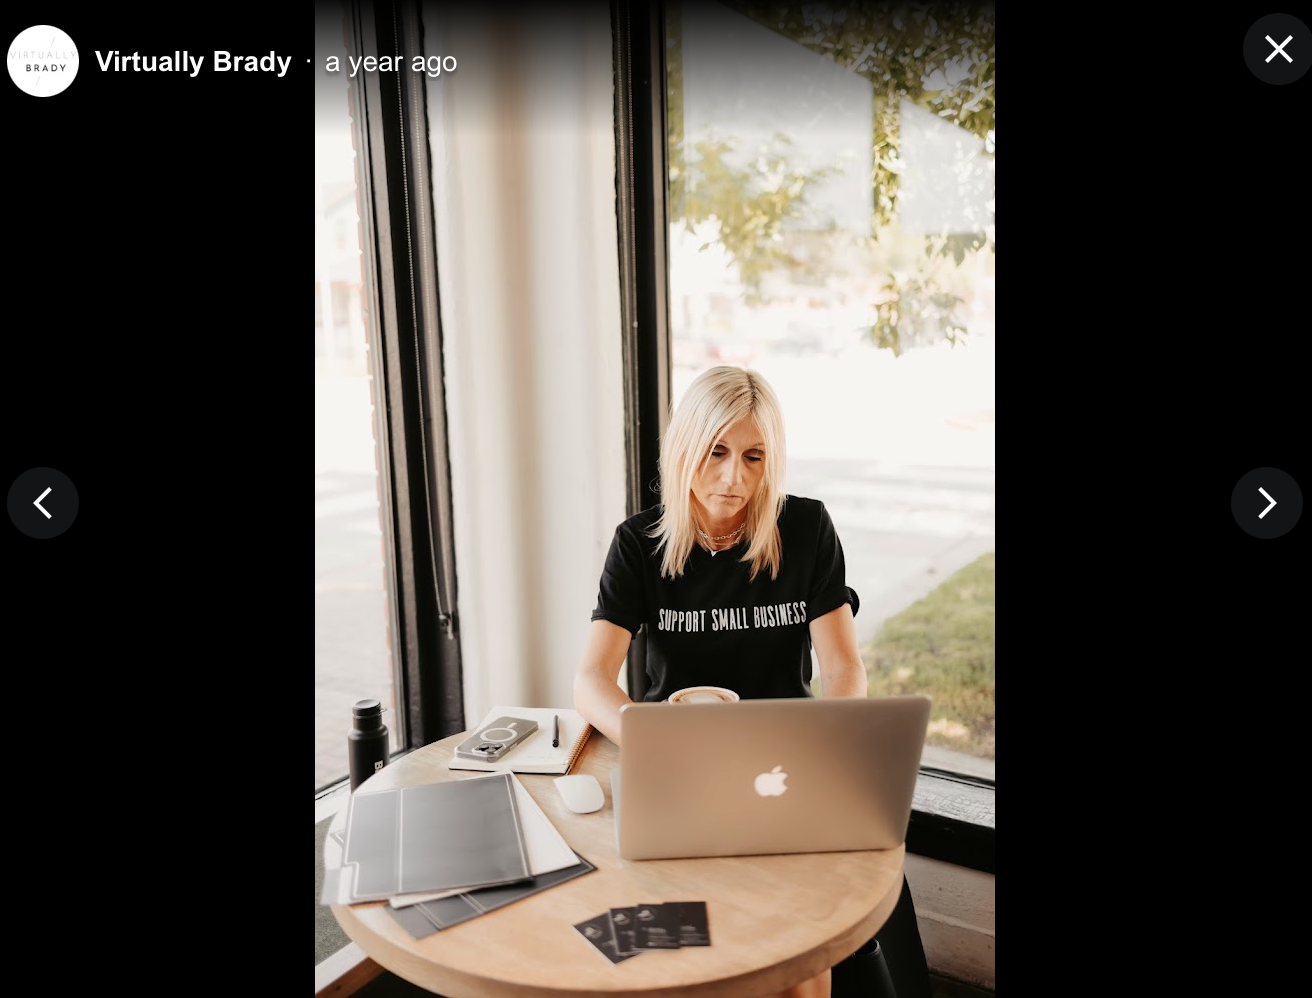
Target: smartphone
(496, 739)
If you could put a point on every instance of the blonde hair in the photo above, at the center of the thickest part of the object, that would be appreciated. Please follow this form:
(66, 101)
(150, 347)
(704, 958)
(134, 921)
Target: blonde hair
(718, 398)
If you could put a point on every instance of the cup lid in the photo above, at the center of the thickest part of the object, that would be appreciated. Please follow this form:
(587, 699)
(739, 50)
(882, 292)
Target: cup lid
(698, 694)
(367, 708)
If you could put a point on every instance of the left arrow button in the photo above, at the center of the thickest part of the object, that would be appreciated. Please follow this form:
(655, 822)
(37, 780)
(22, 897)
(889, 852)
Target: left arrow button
(52, 511)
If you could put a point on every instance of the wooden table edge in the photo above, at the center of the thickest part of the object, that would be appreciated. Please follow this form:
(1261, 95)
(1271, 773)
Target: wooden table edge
(457, 983)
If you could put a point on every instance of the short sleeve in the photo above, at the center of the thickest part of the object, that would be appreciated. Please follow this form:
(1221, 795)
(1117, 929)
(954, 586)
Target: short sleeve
(620, 596)
(828, 589)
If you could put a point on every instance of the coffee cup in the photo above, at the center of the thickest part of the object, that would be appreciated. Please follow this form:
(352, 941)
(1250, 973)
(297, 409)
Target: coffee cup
(703, 694)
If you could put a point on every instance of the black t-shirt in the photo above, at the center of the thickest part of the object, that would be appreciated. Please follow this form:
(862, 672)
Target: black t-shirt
(711, 626)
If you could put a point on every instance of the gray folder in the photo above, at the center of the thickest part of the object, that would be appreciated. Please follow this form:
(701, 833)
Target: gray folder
(434, 837)
(427, 917)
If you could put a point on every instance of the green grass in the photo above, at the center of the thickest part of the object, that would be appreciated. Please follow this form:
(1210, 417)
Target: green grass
(942, 646)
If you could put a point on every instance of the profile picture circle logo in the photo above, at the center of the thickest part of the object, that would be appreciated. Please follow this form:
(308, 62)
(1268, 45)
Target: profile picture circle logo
(42, 60)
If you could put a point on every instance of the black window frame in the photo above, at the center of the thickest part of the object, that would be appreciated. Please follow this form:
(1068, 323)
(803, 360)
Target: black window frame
(400, 292)
(952, 817)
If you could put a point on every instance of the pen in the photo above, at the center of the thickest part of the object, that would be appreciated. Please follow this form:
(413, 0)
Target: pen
(555, 731)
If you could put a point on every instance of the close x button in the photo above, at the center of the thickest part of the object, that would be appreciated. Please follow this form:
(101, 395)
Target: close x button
(1278, 49)
(1267, 503)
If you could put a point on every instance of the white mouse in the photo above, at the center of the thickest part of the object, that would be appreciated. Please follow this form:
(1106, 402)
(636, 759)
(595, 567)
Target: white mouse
(581, 793)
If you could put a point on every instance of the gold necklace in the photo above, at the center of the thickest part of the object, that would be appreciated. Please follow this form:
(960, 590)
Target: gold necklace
(722, 537)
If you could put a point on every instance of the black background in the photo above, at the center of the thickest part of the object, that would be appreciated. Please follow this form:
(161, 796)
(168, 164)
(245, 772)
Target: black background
(1154, 313)
(153, 230)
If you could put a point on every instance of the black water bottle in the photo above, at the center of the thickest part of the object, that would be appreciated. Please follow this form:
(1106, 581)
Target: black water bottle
(367, 741)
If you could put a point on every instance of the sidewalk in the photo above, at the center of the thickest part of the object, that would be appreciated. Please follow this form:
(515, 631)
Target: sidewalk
(921, 576)
(904, 529)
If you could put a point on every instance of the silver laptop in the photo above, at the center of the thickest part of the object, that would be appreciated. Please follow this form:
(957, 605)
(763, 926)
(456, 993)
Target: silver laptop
(767, 776)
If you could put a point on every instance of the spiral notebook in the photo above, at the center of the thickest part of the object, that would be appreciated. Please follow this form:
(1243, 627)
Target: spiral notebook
(535, 754)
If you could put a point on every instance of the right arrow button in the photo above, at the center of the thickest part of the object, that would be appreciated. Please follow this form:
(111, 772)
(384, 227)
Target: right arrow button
(1254, 497)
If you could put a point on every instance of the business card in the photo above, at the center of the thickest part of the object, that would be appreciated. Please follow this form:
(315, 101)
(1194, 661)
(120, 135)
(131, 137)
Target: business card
(656, 926)
(620, 933)
(598, 932)
(694, 930)
(621, 926)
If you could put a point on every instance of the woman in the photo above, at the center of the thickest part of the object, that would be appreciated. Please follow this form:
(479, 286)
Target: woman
(745, 621)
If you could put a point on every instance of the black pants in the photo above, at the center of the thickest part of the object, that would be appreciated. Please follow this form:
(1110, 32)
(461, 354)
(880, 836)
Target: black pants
(894, 957)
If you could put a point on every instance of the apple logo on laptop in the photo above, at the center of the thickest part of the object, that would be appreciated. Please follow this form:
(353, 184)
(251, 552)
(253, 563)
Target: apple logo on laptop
(771, 784)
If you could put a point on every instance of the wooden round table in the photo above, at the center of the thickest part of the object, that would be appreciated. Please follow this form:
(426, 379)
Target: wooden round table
(774, 920)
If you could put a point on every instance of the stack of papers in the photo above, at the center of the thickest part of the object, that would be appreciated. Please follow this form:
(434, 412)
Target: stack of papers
(547, 851)
(551, 862)
(434, 837)
(454, 853)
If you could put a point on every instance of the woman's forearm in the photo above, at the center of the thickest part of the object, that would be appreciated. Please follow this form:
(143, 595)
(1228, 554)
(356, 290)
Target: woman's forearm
(842, 673)
(597, 695)
(849, 681)
(599, 700)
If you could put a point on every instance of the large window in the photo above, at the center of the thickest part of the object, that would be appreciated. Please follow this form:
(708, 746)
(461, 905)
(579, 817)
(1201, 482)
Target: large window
(352, 657)
(385, 592)
(831, 226)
